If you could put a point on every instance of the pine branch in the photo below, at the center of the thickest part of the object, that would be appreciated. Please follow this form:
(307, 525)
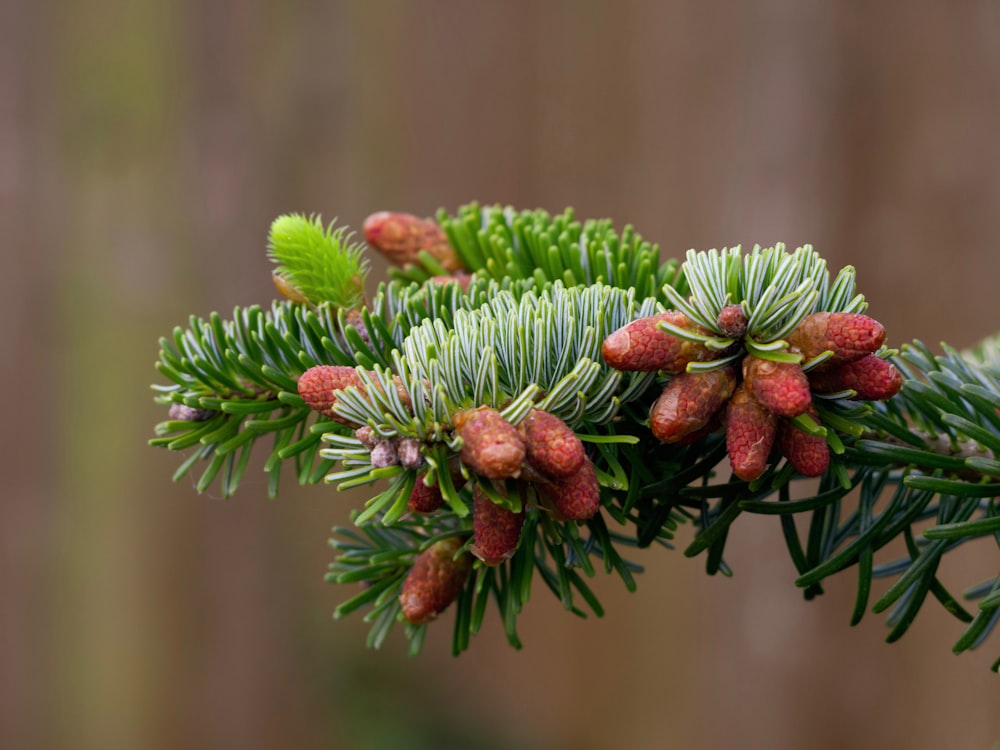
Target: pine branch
(537, 397)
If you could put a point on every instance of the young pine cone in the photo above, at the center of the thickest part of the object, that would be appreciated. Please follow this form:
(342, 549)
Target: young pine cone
(434, 581)
(578, 496)
(810, 455)
(400, 237)
(641, 346)
(550, 445)
(780, 386)
(496, 530)
(849, 336)
(750, 430)
(491, 445)
(689, 402)
(317, 387)
(427, 499)
(873, 378)
(318, 384)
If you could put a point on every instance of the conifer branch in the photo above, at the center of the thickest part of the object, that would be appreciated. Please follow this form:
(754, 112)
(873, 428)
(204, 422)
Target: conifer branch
(536, 398)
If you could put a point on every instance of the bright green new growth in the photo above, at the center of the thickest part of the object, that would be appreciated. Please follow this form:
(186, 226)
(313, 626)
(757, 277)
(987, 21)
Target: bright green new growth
(321, 264)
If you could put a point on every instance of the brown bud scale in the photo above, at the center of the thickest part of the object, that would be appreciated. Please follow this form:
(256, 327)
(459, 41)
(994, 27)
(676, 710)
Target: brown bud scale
(732, 321)
(410, 453)
(368, 437)
(185, 413)
(384, 454)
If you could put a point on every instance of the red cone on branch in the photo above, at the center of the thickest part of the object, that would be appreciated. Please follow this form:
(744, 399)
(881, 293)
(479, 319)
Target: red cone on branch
(750, 430)
(491, 446)
(809, 454)
(434, 581)
(425, 498)
(849, 336)
(317, 385)
(641, 346)
(496, 530)
(400, 237)
(578, 496)
(550, 445)
(780, 386)
(688, 403)
(874, 378)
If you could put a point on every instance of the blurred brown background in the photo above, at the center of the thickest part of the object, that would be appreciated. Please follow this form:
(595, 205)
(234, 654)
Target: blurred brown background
(146, 146)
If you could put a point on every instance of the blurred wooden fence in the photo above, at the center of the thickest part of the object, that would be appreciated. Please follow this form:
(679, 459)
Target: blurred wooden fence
(145, 147)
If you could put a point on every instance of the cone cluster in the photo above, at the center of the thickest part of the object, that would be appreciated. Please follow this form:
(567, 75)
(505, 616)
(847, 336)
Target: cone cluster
(756, 400)
(541, 454)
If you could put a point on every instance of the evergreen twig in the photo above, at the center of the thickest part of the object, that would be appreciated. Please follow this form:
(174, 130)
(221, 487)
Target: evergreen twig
(524, 333)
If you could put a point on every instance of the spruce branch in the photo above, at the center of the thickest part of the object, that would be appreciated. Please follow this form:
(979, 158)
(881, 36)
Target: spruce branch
(537, 397)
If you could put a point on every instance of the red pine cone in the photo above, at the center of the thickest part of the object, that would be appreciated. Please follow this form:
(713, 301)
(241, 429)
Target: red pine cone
(750, 430)
(550, 445)
(849, 336)
(688, 403)
(424, 498)
(434, 581)
(496, 530)
(810, 455)
(642, 346)
(732, 321)
(491, 446)
(874, 378)
(400, 237)
(578, 496)
(780, 386)
(318, 384)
